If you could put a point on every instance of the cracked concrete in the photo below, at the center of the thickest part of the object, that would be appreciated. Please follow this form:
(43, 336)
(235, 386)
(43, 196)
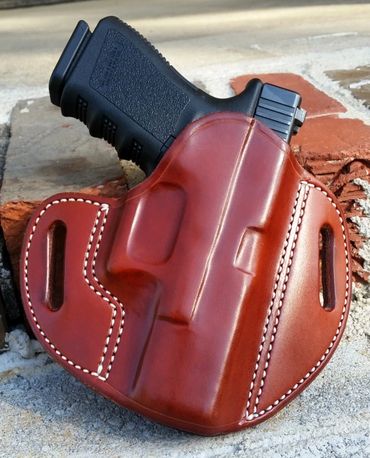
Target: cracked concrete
(4, 142)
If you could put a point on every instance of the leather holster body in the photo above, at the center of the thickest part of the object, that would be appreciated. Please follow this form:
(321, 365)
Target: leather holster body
(208, 297)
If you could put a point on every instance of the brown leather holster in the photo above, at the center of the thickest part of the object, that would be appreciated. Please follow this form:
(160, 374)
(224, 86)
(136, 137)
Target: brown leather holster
(210, 295)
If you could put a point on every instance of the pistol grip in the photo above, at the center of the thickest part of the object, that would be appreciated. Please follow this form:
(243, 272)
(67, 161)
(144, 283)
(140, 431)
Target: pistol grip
(120, 86)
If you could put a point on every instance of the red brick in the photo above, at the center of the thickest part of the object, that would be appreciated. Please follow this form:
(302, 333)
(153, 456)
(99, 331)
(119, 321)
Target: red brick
(331, 138)
(315, 102)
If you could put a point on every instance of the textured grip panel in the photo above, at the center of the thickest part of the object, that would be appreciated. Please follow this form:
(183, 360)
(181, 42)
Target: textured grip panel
(130, 81)
(109, 130)
(81, 109)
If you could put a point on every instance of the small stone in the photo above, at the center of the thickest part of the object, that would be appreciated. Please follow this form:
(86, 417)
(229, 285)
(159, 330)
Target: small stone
(20, 342)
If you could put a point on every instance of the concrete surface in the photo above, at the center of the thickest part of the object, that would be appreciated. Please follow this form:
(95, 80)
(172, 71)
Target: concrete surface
(356, 80)
(85, 162)
(43, 410)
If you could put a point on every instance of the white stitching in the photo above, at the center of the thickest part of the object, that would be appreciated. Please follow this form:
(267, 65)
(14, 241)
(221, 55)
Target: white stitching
(269, 313)
(323, 357)
(104, 208)
(281, 300)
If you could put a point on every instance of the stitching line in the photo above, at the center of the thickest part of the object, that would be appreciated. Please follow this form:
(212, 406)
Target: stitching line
(282, 294)
(103, 208)
(269, 314)
(323, 357)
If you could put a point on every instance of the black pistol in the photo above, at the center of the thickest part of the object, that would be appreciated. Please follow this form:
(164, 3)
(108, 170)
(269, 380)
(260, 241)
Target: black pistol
(122, 88)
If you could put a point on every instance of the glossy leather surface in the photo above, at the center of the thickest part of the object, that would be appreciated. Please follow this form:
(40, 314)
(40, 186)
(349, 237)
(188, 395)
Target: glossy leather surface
(195, 300)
